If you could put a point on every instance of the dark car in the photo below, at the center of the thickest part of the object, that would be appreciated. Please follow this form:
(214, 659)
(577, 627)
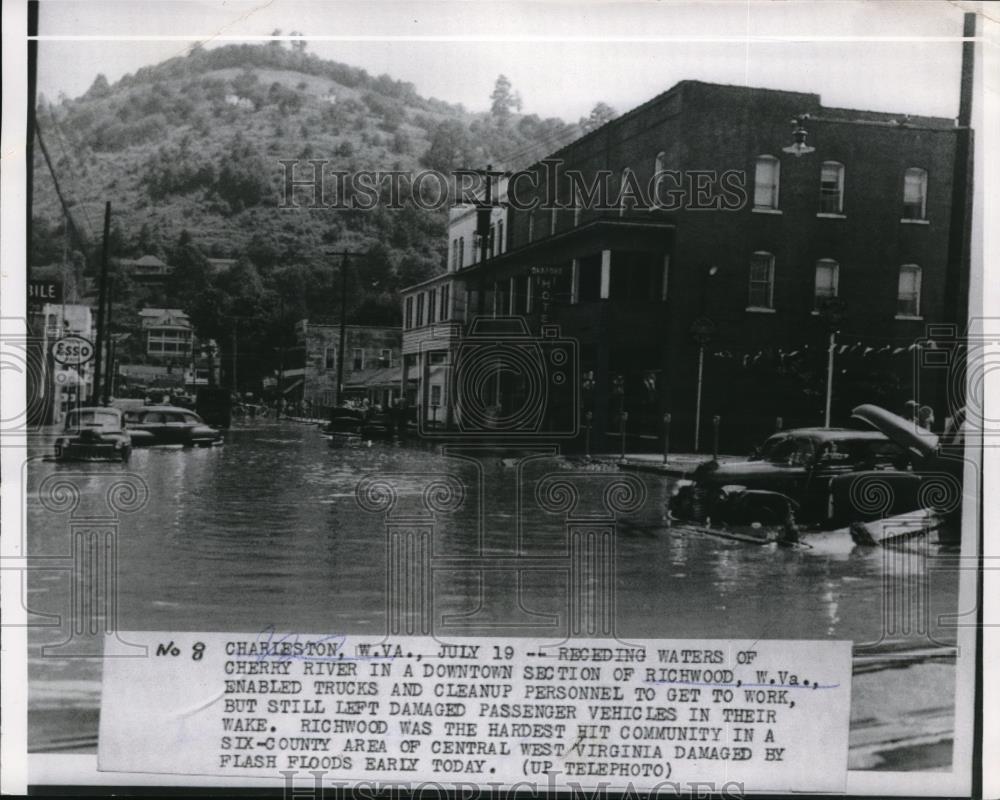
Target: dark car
(344, 421)
(803, 475)
(94, 434)
(153, 425)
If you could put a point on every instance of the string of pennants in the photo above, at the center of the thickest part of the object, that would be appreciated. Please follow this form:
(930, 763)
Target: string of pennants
(856, 349)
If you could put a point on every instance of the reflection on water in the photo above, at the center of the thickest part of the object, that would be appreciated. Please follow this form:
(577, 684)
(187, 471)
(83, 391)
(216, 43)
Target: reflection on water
(267, 530)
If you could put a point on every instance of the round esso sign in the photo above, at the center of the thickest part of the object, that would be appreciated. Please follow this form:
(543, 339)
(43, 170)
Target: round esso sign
(71, 351)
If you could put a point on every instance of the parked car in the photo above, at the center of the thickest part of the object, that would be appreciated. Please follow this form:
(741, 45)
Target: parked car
(804, 475)
(344, 421)
(153, 425)
(94, 434)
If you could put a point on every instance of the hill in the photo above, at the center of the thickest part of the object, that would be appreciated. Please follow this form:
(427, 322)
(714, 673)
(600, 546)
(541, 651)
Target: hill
(188, 152)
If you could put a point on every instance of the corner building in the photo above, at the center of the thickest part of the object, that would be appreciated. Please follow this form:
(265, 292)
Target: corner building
(746, 245)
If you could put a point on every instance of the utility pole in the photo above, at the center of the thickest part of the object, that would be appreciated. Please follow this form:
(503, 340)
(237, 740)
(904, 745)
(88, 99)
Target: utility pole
(829, 378)
(102, 293)
(345, 254)
(111, 346)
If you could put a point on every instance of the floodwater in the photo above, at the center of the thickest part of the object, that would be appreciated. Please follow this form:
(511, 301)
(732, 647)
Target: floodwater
(268, 531)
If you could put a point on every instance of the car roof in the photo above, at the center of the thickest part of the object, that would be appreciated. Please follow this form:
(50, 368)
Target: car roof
(833, 434)
(165, 408)
(85, 409)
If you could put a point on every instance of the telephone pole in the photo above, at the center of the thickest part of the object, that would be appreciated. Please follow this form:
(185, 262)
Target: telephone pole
(102, 298)
(344, 254)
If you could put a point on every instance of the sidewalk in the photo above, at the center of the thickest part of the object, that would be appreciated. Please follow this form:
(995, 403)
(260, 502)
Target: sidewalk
(679, 465)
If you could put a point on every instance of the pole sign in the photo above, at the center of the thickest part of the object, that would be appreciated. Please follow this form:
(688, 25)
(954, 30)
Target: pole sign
(42, 292)
(72, 351)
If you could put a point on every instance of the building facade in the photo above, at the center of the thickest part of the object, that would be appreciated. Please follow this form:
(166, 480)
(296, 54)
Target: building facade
(695, 256)
(167, 334)
(372, 365)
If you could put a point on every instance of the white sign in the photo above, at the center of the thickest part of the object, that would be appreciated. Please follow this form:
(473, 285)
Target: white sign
(72, 351)
(767, 715)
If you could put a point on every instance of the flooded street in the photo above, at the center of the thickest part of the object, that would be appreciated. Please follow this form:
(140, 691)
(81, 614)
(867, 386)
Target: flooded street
(266, 532)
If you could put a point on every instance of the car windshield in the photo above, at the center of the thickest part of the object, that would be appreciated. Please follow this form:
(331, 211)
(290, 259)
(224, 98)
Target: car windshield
(788, 451)
(863, 453)
(96, 418)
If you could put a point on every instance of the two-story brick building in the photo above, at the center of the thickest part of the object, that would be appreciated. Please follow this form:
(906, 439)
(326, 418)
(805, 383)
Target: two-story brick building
(707, 224)
(372, 364)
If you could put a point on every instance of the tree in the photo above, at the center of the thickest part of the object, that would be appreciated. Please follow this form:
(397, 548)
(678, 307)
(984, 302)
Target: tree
(503, 100)
(451, 146)
(600, 114)
(99, 88)
(299, 45)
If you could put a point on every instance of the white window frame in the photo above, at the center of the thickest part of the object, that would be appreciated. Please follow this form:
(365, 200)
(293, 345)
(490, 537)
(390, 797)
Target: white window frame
(354, 358)
(918, 271)
(838, 210)
(921, 173)
(775, 186)
(768, 307)
(822, 264)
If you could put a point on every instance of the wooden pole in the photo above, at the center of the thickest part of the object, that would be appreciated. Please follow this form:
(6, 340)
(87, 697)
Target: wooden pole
(102, 293)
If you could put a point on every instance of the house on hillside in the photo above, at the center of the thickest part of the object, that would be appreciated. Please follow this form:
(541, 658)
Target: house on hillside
(147, 269)
(167, 333)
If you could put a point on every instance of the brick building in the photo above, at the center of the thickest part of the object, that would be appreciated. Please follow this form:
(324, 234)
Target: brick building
(372, 364)
(706, 216)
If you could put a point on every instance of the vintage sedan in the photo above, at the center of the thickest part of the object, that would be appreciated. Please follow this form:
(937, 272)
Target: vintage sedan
(798, 476)
(94, 434)
(154, 425)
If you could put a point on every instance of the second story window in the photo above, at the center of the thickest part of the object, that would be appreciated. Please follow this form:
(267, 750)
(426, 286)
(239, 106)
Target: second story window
(915, 193)
(358, 358)
(420, 310)
(454, 254)
(445, 312)
(461, 252)
(431, 306)
(908, 297)
(385, 359)
(831, 188)
(827, 280)
(761, 280)
(766, 179)
(328, 361)
(408, 313)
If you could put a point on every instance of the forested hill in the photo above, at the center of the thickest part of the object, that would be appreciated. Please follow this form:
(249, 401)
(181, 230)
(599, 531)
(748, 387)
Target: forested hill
(188, 153)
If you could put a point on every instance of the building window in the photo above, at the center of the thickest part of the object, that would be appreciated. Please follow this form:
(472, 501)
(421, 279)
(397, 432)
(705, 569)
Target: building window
(658, 169)
(431, 306)
(915, 193)
(908, 302)
(461, 252)
(358, 356)
(766, 177)
(827, 280)
(328, 360)
(762, 280)
(420, 310)
(531, 226)
(445, 298)
(454, 254)
(831, 188)
(386, 357)
(500, 243)
(435, 394)
(408, 313)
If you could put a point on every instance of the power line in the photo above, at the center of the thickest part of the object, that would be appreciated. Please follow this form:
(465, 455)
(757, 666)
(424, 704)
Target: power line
(62, 200)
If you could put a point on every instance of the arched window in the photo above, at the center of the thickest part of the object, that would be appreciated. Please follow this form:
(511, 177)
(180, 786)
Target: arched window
(915, 193)
(766, 178)
(827, 280)
(908, 297)
(831, 188)
(761, 280)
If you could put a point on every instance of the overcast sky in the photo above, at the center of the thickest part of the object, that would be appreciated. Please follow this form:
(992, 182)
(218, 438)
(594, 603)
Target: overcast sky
(562, 56)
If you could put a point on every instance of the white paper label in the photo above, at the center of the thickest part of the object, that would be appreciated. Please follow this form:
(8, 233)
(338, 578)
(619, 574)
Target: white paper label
(769, 715)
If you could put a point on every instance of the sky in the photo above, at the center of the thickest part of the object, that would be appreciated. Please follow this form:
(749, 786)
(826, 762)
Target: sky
(561, 56)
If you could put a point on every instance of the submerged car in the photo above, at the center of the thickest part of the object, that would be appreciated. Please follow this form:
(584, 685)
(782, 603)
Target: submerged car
(153, 425)
(94, 434)
(826, 477)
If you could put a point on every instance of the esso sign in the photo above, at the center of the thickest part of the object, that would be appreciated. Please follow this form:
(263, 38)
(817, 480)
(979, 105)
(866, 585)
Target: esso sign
(72, 351)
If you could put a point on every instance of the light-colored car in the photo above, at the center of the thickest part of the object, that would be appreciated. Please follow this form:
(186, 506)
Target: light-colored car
(94, 434)
(152, 425)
